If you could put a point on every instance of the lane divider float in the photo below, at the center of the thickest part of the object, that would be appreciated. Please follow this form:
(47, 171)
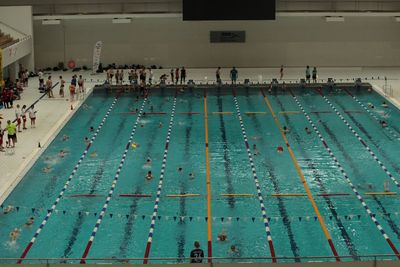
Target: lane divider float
(60, 195)
(395, 135)
(381, 193)
(256, 181)
(113, 185)
(160, 183)
(303, 180)
(346, 177)
(380, 163)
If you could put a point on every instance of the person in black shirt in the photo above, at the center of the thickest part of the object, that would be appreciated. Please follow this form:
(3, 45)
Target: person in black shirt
(183, 75)
(197, 254)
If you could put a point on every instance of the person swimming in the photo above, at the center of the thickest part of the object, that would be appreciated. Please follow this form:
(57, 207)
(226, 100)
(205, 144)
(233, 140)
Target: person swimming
(65, 138)
(385, 105)
(191, 175)
(256, 152)
(180, 169)
(279, 149)
(14, 234)
(384, 124)
(285, 130)
(8, 209)
(91, 129)
(61, 154)
(308, 131)
(222, 236)
(93, 154)
(370, 105)
(87, 141)
(386, 186)
(233, 249)
(46, 169)
(30, 221)
(149, 176)
(160, 125)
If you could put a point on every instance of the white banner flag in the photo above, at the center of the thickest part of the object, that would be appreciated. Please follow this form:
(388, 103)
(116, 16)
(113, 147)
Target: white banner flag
(96, 56)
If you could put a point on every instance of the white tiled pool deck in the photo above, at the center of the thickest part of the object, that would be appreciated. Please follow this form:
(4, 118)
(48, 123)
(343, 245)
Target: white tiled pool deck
(54, 113)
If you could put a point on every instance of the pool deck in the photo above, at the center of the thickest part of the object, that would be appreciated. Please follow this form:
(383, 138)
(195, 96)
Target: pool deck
(54, 113)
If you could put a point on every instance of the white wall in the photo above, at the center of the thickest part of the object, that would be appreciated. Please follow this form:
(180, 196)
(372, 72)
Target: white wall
(20, 19)
(292, 41)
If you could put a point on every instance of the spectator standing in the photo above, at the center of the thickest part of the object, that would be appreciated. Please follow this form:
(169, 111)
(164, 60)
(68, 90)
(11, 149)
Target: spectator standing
(49, 87)
(183, 75)
(12, 133)
(41, 80)
(234, 75)
(81, 85)
(23, 115)
(314, 75)
(18, 117)
(308, 74)
(172, 75)
(4, 98)
(62, 85)
(32, 116)
(218, 75)
(151, 76)
(281, 72)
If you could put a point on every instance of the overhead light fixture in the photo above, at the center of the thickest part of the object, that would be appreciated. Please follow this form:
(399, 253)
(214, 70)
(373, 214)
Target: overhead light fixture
(334, 19)
(51, 22)
(397, 19)
(121, 21)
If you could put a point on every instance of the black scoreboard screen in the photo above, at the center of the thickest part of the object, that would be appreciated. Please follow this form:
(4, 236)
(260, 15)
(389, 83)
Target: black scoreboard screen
(229, 9)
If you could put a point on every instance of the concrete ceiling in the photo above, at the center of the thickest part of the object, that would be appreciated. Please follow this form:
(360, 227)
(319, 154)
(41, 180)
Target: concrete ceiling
(57, 7)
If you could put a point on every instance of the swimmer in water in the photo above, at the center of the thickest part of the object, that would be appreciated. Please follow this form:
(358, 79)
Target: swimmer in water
(87, 141)
(256, 152)
(279, 149)
(308, 131)
(370, 105)
(142, 125)
(14, 234)
(234, 250)
(30, 221)
(384, 124)
(65, 137)
(385, 105)
(222, 236)
(149, 176)
(191, 175)
(8, 209)
(148, 161)
(91, 129)
(61, 154)
(285, 130)
(386, 186)
(160, 125)
(93, 154)
(46, 169)
(180, 169)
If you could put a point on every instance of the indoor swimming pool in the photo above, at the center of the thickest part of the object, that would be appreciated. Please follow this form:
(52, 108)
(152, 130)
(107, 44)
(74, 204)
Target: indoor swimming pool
(217, 171)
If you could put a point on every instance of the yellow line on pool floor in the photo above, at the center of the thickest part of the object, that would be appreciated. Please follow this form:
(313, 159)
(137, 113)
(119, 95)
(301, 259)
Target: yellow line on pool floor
(208, 178)
(302, 178)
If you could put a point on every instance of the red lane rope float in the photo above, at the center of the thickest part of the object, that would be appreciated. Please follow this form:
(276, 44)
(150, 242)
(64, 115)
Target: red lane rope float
(345, 175)
(61, 194)
(113, 185)
(134, 195)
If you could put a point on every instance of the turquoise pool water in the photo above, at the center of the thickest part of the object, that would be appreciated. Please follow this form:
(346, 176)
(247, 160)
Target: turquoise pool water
(295, 229)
